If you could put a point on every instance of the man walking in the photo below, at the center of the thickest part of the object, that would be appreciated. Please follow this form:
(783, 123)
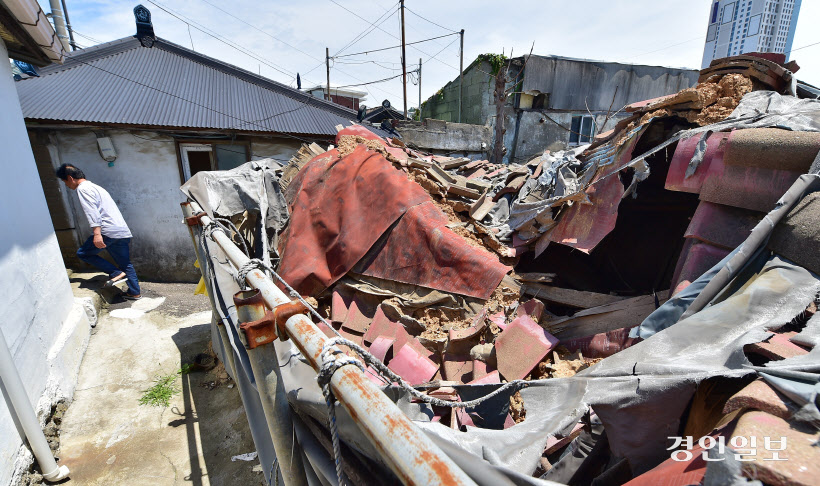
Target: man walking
(110, 231)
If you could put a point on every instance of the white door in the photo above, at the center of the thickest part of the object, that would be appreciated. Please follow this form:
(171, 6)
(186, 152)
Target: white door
(196, 157)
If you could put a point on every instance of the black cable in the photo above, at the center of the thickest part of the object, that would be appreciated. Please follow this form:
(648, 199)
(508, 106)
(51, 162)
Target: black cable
(396, 47)
(430, 21)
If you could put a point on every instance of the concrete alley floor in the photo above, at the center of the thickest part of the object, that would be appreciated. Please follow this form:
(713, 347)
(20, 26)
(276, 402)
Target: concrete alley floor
(108, 438)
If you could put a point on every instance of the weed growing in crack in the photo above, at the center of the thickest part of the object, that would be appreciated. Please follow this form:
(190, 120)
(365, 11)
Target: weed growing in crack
(164, 388)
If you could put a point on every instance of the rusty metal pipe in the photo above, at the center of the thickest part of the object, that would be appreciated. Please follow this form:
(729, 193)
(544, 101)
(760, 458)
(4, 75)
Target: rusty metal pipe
(412, 455)
(266, 372)
(228, 356)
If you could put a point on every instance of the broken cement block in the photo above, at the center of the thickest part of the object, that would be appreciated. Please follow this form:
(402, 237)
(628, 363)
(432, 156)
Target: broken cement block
(412, 366)
(776, 348)
(796, 463)
(758, 395)
(521, 347)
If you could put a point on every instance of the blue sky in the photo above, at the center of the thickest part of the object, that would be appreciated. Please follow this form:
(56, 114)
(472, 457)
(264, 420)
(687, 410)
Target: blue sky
(285, 37)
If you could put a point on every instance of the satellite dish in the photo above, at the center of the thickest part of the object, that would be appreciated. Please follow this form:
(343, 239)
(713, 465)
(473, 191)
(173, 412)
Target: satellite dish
(362, 112)
(386, 104)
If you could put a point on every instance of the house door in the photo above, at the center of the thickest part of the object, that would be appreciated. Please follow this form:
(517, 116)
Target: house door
(196, 157)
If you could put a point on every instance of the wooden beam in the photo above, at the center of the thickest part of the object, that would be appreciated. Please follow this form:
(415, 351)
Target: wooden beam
(572, 298)
(603, 318)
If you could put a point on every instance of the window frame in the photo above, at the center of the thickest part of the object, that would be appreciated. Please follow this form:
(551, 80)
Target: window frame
(580, 134)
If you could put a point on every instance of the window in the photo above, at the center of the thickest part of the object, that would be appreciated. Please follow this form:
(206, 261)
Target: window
(715, 12)
(728, 13)
(582, 129)
(198, 157)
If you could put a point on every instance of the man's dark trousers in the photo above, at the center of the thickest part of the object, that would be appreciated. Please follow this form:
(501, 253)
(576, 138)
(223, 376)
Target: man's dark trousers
(120, 251)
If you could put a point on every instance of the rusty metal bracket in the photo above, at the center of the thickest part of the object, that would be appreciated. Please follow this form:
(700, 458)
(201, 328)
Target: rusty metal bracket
(283, 312)
(272, 325)
(195, 220)
(261, 331)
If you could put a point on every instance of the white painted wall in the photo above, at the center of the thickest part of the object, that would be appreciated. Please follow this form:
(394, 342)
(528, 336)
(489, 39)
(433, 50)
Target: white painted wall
(144, 181)
(45, 334)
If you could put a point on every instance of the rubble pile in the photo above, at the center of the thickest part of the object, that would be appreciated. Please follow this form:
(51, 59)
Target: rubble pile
(606, 280)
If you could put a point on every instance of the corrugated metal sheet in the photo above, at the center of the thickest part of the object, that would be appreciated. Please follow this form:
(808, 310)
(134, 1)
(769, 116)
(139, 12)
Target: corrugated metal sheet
(122, 82)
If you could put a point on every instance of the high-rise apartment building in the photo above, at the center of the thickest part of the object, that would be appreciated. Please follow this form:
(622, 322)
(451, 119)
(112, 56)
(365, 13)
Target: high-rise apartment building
(738, 26)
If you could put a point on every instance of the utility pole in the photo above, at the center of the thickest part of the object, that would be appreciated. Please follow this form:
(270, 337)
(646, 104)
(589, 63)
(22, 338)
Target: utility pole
(403, 61)
(327, 63)
(68, 26)
(420, 89)
(59, 23)
(461, 75)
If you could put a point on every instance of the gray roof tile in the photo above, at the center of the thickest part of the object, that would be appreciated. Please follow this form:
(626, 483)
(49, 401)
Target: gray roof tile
(122, 82)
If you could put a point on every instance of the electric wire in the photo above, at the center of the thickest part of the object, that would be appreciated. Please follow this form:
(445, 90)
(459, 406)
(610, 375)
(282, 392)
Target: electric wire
(430, 21)
(396, 47)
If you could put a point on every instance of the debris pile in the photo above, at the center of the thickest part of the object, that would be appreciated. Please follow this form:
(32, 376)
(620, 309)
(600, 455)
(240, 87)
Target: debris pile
(584, 275)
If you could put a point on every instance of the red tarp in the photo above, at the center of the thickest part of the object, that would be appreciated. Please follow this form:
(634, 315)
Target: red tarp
(344, 207)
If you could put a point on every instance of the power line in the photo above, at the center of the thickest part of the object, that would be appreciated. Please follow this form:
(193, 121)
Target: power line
(393, 36)
(395, 47)
(664, 48)
(789, 52)
(430, 21)
(372, 82)
(260, 30)
(238, 47)
(366, 31)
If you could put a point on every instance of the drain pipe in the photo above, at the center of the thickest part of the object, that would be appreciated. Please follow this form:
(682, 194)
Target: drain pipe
(22, 409)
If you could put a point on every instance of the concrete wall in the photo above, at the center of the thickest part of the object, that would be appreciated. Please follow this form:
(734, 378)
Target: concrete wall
(439, 136)
(572, 86)
(144, 181)
(534, 136)
(580, 84)
(477, 109)
(44, 329)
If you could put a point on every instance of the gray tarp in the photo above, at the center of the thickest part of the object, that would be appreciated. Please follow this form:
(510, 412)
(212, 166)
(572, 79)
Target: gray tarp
(639, 394)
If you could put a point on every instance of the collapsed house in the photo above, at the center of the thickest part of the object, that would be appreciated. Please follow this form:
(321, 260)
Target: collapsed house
(591, 305)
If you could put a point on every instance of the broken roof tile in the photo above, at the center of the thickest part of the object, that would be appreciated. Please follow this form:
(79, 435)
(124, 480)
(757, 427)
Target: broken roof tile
(412, 366)
(533, 308)
(381, 348)
(490, 378)
(457, 367)
(355, 320)
(521, 347)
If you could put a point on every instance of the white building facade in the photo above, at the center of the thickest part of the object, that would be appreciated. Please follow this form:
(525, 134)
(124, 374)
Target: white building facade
(738, 26)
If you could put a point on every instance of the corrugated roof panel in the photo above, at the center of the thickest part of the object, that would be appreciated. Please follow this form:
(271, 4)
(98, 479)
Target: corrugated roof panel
(168, 85)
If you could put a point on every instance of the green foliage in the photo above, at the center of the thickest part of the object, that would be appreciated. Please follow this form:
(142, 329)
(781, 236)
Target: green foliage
(496, 61)
(164, 388)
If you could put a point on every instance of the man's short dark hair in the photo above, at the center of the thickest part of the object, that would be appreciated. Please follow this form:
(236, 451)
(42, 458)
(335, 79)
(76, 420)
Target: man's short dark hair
(66, 170)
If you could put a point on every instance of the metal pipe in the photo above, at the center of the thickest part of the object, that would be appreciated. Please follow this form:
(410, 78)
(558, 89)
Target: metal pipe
(268, 377)
(22, 409)
(68, 26)
(412, 455)
(460, 74)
